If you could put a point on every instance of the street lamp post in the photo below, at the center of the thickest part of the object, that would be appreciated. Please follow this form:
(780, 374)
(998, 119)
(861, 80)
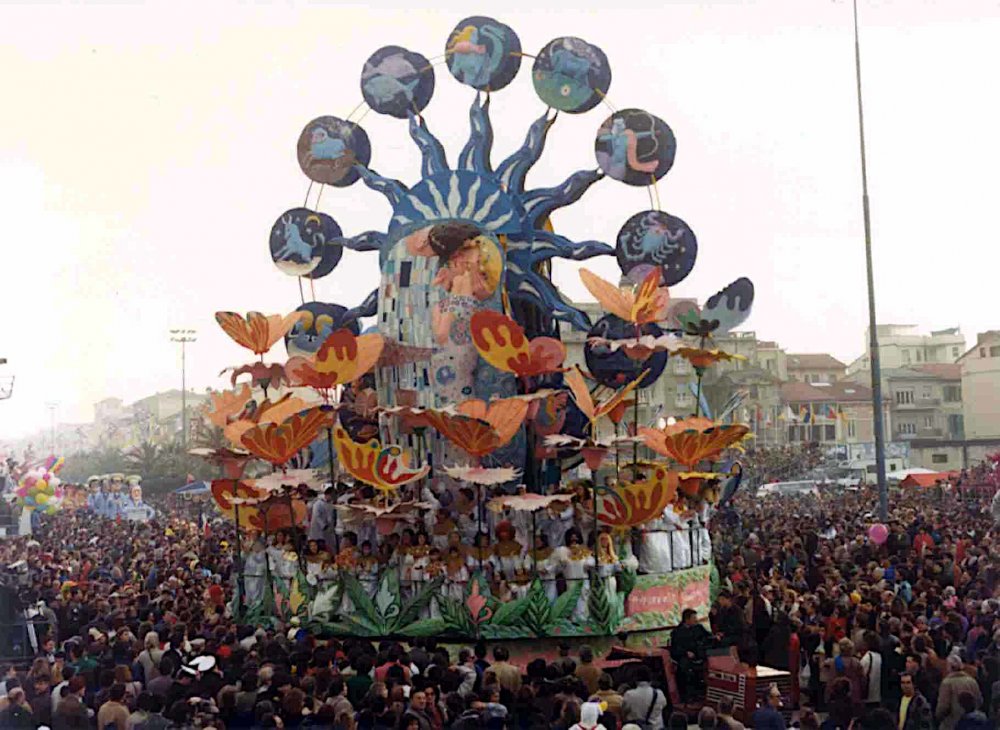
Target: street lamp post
(183, 336)
(876, 365)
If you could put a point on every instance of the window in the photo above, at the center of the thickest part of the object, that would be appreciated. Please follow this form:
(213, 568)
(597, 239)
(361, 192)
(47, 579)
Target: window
(906, 356)
(995, 351)
(939, 458)
(925, 392)
(793, 433)
(956, 425)
(681, 366)
(904, 397)
(982, 352)
(928, 421)
(815, 433)
(769, 365)
(684, 398)
(952, 393)
(830, 432)
(954, 352)
(920, 356)
(907, 429)
(852, 430)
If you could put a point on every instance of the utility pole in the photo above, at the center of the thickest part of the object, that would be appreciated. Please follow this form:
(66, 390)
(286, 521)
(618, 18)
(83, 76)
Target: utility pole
(183, 336)
(876, 365)
(52, 405)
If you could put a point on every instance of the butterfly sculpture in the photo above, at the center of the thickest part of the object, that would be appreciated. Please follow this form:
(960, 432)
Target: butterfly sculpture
(647, 304)
(257, 332)
(502, 343)
(384, 467)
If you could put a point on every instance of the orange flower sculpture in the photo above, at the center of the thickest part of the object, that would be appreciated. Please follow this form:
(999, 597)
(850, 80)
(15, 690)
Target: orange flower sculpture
(648, 303)
(384, 467)
(595, 410)
(631, 504)
(702, 359)
(279, 442)
(342, 358)
(502, 343)
(505, 415)
(691, 440)
(225, 490)
(475, 437)
(266, 412)
(257, 332)
(226, 405)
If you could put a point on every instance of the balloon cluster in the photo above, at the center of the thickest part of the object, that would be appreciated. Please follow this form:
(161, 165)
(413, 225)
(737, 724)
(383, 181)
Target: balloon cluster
(39, 487)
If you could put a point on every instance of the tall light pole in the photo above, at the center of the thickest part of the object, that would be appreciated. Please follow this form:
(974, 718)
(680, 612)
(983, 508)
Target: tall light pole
(52, 405)
(184, 337)
(876, 365)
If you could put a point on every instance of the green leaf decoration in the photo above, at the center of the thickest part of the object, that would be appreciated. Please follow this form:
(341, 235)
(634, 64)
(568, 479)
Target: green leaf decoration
(364, 608)
(427, 627)
(493, 631)
(600, 606)
(626, 582)
(563, 606)
(455, 616)
(509, 614)
(537, 610)
(387, 597)
(410, 611)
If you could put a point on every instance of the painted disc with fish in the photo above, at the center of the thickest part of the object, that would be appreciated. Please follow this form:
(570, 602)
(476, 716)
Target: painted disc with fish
(483, 53)
(329, 148)
(397, 82)
(571, 75)
(299, 239)
(635, 147)
(655, 239)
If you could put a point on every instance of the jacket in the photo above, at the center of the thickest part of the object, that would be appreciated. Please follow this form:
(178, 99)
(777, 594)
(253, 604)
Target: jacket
(918, 714)
(949, 712)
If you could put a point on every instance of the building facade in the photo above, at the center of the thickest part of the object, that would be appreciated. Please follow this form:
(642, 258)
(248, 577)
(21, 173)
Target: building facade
(981, 387)
(902, 345)
(815, 368)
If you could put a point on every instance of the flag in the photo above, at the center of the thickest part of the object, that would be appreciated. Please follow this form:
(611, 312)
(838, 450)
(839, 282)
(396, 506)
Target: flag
(843, 415)
(805, 414)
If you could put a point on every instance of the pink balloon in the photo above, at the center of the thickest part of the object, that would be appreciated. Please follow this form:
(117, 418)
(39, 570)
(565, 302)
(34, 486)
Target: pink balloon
(878, 533)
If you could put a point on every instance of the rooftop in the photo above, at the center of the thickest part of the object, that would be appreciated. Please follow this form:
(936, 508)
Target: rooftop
(814, 361)
(946, 370)
(840, 392)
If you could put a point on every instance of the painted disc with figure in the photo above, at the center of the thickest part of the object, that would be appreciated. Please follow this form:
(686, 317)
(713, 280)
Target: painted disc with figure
(635, 147)
(483, 53)
(571, 75)
(396, 82)
(655, 239)
(614, 368)
(299, 240)
(329, 148)
(322, 319)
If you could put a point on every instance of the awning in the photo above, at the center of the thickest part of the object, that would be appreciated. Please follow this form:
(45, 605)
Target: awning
(194, 488)
(924, 480)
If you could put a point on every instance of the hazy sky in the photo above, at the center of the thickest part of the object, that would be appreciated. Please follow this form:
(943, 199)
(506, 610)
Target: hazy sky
(146, 150)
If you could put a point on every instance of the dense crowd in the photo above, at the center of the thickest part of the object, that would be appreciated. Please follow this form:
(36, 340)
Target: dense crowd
(135, 630)
(907, 627)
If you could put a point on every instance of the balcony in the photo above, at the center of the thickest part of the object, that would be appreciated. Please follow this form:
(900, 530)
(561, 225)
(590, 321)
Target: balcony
(921, 433)
(917, 404)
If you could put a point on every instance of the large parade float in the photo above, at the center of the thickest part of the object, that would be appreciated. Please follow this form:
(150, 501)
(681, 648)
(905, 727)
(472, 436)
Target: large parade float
(483, 486)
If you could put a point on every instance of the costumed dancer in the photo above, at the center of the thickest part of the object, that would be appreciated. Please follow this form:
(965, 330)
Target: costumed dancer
(577, 560)
(507, 552)
(457, 574)
(321, 519)
(546, 564)
(255, 573)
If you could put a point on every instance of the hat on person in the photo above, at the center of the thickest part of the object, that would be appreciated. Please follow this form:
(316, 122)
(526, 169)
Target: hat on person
(590, 712)
(188, 670)
(204, 663)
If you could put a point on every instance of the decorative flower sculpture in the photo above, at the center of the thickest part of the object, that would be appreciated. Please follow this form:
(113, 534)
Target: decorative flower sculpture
(267, 412)
(342, 358)
(232, 461)
(640, 348)
(702, 359)
(257, 332)
(647, 304)
(279, 442)
(631, 504)
(384, 467)
(483, 475)
(502, 343)
(691, 440)
(505, 415)
(225, 406)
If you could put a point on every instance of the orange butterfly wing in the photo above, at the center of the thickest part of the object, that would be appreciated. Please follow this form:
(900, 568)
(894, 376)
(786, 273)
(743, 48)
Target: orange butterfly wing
(651, 300)
(471, 435)
(237, 328)
(573, 378)
(608, 295)
(505, 415)
(277, 443)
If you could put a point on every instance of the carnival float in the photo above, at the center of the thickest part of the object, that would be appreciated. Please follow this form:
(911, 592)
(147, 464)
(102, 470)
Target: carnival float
(482, 486)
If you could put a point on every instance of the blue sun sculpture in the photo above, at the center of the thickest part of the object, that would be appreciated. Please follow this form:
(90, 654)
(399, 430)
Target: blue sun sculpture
(472, 236)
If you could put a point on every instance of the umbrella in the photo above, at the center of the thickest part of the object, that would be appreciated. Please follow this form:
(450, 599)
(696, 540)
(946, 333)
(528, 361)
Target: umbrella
(193, 489)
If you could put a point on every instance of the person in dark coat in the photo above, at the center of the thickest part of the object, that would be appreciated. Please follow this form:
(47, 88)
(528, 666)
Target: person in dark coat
(688, 645)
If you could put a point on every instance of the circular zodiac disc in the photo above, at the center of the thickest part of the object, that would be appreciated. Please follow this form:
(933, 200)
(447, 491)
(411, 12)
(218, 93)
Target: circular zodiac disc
(615, 369)
(571, 75)
(299, 239)
(653, 238)
(329, 148)
(396, 81)
(635, 147)
(483, 53)
(309, 333)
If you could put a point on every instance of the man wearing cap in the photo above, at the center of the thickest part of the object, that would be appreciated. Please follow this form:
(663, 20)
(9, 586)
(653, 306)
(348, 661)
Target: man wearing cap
(209, 681)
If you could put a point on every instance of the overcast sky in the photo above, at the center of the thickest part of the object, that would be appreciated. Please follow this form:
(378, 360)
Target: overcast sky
(145, 152)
